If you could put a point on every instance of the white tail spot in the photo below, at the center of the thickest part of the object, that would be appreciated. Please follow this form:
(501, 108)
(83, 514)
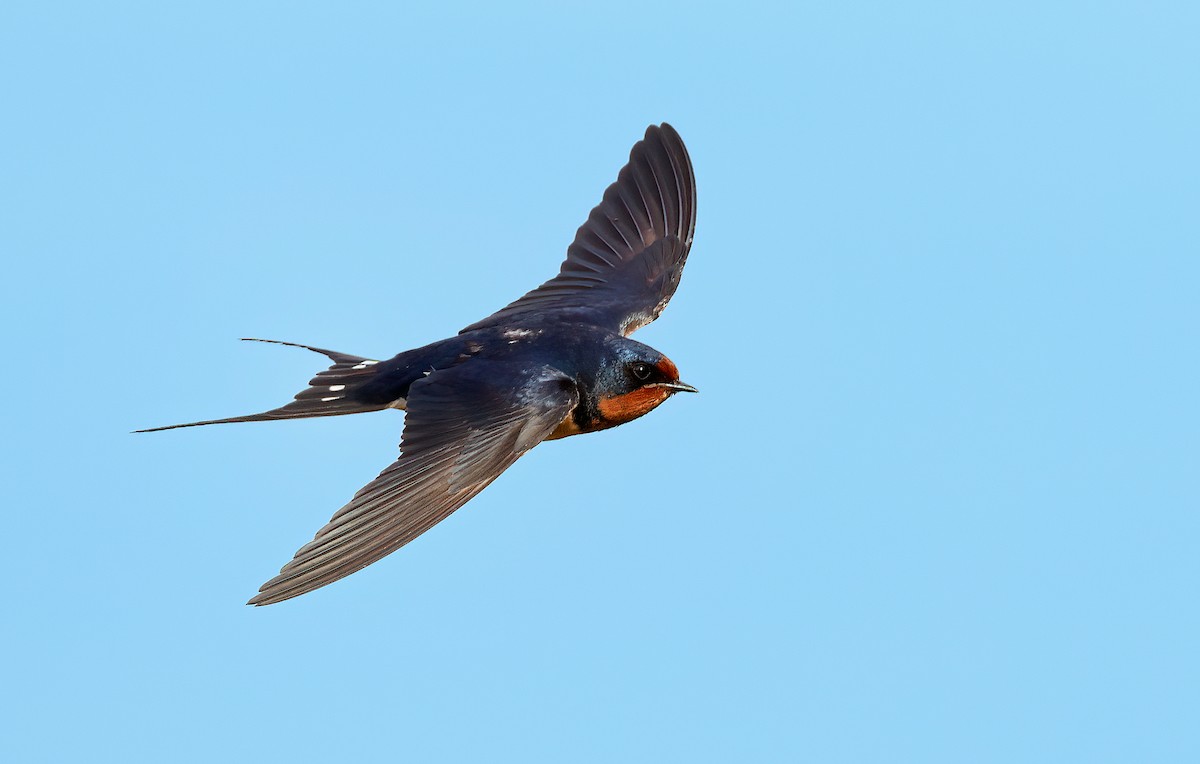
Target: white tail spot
(336, 388)
(330, 398)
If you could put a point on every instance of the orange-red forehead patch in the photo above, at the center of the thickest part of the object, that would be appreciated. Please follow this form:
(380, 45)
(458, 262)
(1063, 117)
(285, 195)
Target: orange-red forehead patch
(668, 369)
(622, 408)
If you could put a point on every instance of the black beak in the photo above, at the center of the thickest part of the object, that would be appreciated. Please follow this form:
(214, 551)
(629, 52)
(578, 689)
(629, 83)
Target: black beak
(679, 387)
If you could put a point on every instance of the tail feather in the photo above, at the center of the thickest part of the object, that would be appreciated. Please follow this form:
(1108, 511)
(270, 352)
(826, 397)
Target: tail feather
(330, 392)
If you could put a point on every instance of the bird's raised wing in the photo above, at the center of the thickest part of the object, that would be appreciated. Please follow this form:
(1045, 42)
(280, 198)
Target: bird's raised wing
(626, 260)
(464, 427)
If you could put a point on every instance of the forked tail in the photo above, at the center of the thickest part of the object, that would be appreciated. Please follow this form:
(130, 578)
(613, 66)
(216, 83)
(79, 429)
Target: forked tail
(331, 392)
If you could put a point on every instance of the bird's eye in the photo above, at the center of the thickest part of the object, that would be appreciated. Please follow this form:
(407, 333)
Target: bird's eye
(641, 370)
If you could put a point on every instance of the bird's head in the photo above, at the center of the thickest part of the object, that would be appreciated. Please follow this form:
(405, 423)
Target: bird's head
(634, 380)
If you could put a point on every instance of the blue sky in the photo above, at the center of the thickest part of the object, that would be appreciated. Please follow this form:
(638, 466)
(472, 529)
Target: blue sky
(936, 502)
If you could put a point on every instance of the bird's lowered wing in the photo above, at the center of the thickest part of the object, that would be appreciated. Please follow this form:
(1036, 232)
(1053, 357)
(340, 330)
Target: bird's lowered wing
(626, 260)
(464, 427)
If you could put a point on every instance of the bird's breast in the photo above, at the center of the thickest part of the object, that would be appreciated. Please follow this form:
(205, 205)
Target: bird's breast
(610, 412)
(567, 427)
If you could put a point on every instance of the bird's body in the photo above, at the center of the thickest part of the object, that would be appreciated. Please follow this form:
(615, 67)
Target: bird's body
(555, 363)
(584, 353)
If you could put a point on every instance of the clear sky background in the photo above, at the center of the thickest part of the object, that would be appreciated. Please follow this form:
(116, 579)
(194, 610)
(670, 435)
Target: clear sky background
(936, 502)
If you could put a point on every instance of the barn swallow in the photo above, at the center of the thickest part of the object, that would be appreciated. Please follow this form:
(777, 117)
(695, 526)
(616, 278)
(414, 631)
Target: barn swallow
(555, 363)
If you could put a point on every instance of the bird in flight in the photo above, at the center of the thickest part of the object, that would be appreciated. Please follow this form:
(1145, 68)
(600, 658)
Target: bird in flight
(557, 362)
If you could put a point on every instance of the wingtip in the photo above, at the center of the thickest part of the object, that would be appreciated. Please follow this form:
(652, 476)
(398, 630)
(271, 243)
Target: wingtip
(268, 595)
(663, 127)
